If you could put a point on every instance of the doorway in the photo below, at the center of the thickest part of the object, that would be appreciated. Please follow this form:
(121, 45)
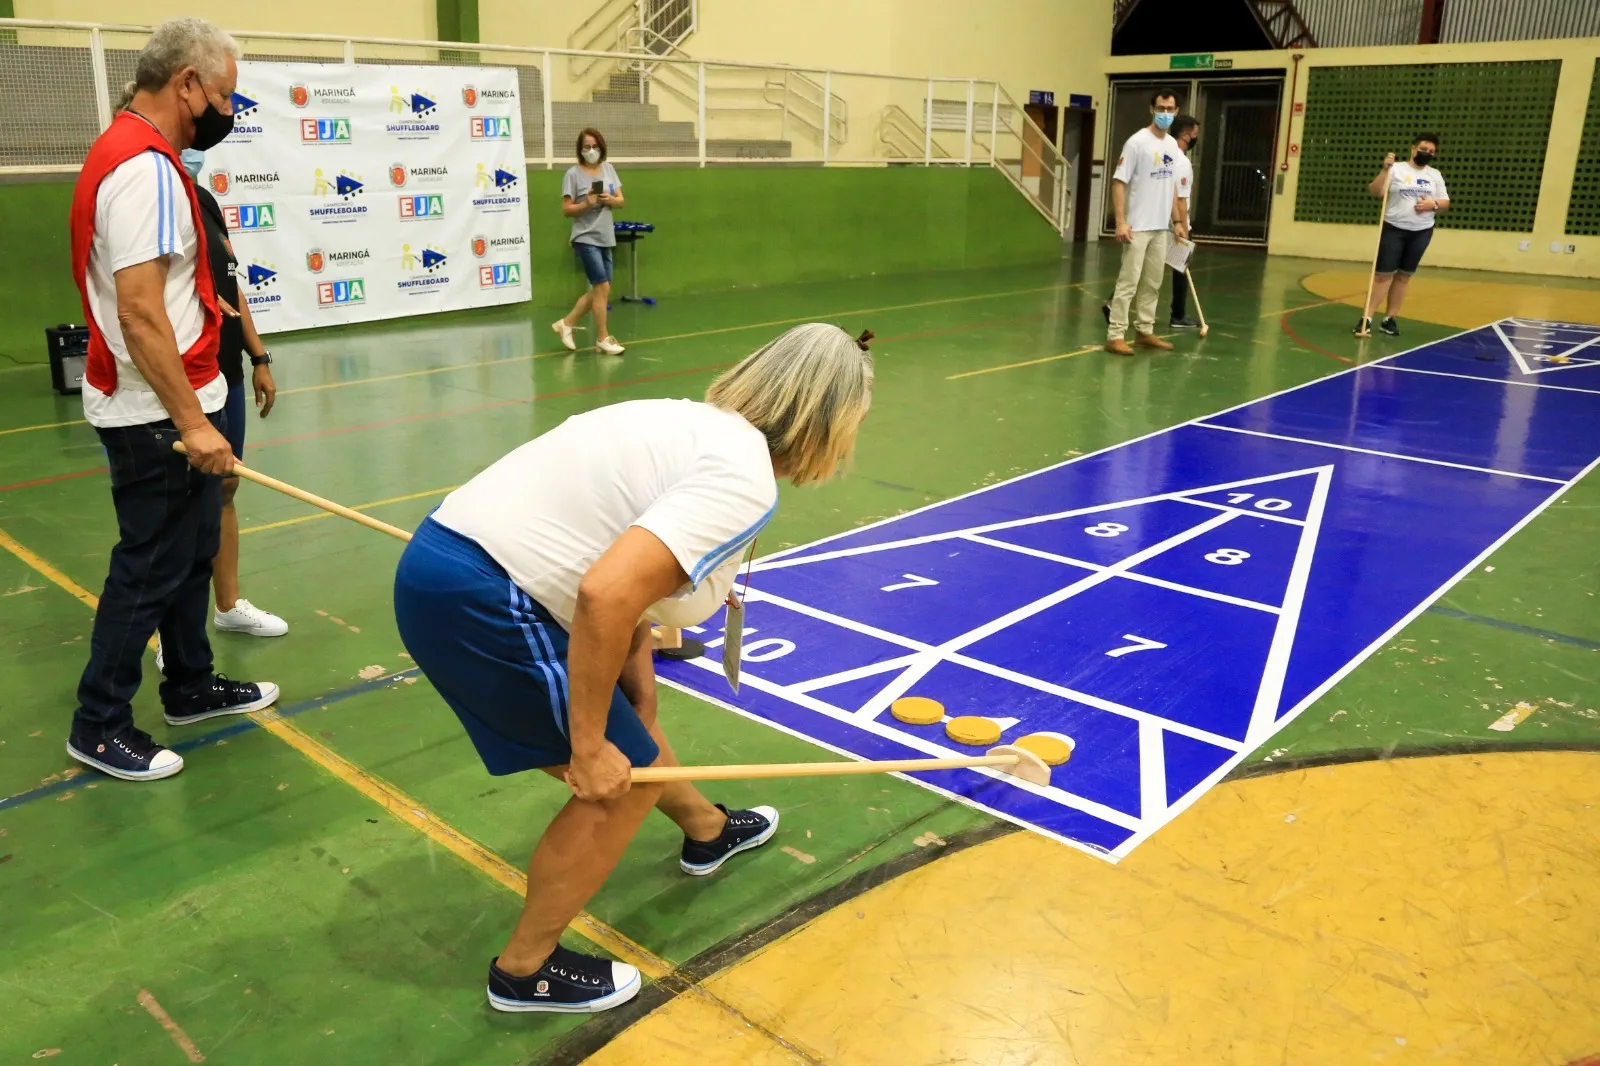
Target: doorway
(1234, 159)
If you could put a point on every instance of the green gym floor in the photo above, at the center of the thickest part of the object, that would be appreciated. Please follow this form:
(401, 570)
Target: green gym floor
(327, 884)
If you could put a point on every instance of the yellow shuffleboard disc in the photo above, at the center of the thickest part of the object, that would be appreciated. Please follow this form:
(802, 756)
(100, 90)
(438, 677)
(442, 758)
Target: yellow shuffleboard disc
(1052, 749)
(917, 710)
(973, 729)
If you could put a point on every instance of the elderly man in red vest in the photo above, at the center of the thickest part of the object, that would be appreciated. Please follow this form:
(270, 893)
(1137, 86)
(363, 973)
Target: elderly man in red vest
(151, 381)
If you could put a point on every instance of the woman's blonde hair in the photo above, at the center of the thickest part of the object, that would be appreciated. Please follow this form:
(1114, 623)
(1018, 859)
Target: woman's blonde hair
(808, 392)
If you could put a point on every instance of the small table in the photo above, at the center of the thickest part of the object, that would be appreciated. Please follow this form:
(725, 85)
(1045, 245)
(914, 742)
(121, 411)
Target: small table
(631, 233)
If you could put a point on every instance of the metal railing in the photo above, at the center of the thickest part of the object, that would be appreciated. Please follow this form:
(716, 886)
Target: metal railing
(58, 81)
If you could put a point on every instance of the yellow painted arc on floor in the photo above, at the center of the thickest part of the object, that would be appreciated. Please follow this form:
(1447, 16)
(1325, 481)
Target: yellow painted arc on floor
(1417, 910)
(1464, 303)
(454, 367)
(399, 805)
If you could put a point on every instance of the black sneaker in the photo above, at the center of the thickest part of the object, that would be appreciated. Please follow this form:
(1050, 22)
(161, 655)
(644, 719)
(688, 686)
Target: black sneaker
(222, 696)
(1184, 323)
(1105, 312)
(131, 756)
(1390, 326)
(567, 983)
(745, 830)
(1362, 327)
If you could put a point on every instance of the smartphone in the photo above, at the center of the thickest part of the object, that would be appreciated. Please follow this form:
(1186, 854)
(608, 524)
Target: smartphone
(597, 189)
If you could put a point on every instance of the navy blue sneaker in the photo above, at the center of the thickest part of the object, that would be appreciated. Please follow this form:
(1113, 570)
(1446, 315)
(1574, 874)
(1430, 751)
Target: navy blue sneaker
(131, 756)
(222, 696)
(745, 830)
(1390, 326)
(567, 983)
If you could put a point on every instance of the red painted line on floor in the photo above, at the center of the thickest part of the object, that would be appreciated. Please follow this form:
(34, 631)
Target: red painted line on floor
(1284, 323)
(58, 477)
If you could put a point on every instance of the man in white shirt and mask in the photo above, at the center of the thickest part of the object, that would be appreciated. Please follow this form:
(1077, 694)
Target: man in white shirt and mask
(1144, 196)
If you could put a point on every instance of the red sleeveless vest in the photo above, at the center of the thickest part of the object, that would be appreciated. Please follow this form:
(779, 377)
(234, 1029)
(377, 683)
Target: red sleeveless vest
(126, 137)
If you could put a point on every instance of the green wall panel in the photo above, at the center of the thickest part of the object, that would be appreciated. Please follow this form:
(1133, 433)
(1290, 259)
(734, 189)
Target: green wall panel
(716, 229)
(1583, 210)
(1493, 120)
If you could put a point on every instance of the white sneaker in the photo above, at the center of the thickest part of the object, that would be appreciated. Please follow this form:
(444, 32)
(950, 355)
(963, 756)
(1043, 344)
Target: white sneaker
(564, 331)
(246, 617)
(610, 346)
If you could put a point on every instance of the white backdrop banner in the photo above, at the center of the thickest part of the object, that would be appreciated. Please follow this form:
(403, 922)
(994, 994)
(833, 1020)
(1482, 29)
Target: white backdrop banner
(355, 193)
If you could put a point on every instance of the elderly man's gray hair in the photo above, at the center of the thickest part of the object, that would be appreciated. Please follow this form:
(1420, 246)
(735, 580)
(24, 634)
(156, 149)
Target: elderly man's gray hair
(179, 43)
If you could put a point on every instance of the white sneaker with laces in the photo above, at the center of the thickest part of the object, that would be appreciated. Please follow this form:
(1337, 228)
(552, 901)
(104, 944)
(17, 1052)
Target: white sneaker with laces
(564, 331)
(246, 617)
(610, 346)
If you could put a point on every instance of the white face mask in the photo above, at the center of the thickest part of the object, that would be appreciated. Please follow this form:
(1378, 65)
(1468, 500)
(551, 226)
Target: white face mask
(591, 156)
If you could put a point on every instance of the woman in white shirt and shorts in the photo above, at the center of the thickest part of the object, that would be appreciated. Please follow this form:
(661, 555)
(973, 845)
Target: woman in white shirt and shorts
(1415, 194)
(527, 600)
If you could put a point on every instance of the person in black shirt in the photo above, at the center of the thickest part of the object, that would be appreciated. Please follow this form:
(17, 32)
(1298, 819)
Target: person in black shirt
(234, 613)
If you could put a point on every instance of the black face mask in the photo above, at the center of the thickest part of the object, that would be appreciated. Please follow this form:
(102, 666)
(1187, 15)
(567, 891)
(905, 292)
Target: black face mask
(1422, 159)
(210, 127)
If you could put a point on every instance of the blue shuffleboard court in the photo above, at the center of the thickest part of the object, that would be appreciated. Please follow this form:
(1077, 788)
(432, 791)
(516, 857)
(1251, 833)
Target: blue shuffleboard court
(1171, 602)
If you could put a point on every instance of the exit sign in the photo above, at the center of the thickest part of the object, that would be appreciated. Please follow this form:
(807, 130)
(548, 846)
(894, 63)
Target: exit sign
(1198, 61)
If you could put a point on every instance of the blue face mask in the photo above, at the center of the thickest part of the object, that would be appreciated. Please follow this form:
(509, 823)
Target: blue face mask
(1163, 120)
(192, 162)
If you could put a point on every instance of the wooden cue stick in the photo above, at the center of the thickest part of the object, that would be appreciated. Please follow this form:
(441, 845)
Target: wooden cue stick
(307, 497)
(815, 769)
(1372, 277)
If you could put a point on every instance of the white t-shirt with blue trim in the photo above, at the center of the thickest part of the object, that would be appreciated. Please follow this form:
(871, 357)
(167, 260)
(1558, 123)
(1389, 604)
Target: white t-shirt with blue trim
(697, 477)
(141, 213)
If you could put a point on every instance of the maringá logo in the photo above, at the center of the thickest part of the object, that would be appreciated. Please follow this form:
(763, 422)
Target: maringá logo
(480, 246)
(219, 182)
(301, 95)
(318, 260)
(469, 95)
(400, 174)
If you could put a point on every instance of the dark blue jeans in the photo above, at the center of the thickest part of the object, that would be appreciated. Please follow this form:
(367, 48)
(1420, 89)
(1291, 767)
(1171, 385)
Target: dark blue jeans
(169, 516)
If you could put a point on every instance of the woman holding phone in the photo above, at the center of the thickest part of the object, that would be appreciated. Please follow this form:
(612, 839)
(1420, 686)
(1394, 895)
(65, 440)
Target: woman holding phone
(588, 193)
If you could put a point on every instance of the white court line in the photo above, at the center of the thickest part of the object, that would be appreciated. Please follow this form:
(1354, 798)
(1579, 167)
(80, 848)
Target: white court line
(961, 798)
(912, 740)
(1373, 451)
(1098, 703)
(1152, 773)
(1474, 377)
(1263, 717)
(856, 674)
(1240, 510)
(875, 706)
(1517, 354)
(1189, 798)
(781, 561)
(1143, 578)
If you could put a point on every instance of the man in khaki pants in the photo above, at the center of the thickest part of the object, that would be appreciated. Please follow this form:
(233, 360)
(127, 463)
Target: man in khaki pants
(1143, 194)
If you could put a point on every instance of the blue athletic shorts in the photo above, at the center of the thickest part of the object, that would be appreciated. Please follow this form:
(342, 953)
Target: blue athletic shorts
(496, 656)
(595, 261)
(238, 406)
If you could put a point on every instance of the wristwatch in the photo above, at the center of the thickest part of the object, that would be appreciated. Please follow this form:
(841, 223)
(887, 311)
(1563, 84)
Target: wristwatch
(261, 360)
